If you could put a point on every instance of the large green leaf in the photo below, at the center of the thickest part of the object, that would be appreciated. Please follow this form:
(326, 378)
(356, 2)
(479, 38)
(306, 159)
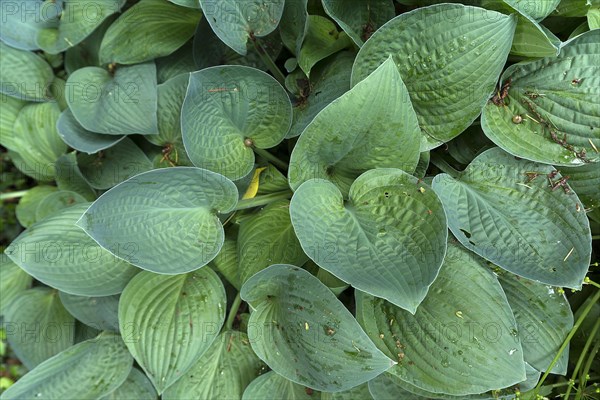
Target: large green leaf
(360, 18)
(329, 80)
(371, 126)
(388, 239)
(101, 313)
(534, 40)
(551, 113)
(87, 53)
(585, 181)
(227, 111)
(303, 332)
(137, 386)
(271, 385)
(357, 393)
(168, 322)
(14, 281)
(294, 23)
(104, 169)
(88, 370)
(118, 103)
(69, 177)
(57, 201)
(267, 238)
(79, 138)
(28, 204)
(226, 262)
(463, 337)
(237, 21)
(24, 75)
(544, 319)
(38, 326)
(450, 65)
(149, 29)
(58, 253)
(223, 371)
(21, 21)
(170, 98)
(505, 210)
(181, 204)
(11, 107)
(76, 20)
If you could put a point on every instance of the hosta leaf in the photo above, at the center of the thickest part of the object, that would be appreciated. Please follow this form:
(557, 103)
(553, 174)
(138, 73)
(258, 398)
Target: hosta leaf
(137, 386)
(449, 65)
(38, 326)
(177, 63)
(36, 139)
(544, 319)
(28, 204)
(101, 313)
(504, 210)
(170, 98)
(226, 262)
(227, 111)
(168, 322)
(76, 21)
(322, 39)
(25, 75)
(69, 177)
(359, 392)
(371, 126)
(223, 371)
(21, 22)
(463, 337)
(303, 332)
(271, 385)
(122, 103)
(556, 98)
(336, 285)
(267, 238)
(534, 40)
(58, 253)
(585, 181)
(388, 239)
(593, 18)
(294, 23)
(14, 281)
(79, 138)
(87, 53)
(179, 203)
(236, 21)
(327, 84)
(388, 386)
(88, 370)
(271, 181)
(149, 29)
(105, 169)
(359, 18)
(11, 107)
(57, 201)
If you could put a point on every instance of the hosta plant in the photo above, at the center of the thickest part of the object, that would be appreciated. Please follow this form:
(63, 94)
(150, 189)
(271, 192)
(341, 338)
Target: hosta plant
(278, 199)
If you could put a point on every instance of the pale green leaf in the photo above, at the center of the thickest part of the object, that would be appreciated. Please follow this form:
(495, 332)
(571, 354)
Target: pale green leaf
(14, 281)
(28, 204)
(585, 181)
(79, 138)
(98, 312)
(137, 386)
(360, 18)
(24, 74)
(294, 23)
(357, 393)
(57, 201)
(69, 177)
(273, 386)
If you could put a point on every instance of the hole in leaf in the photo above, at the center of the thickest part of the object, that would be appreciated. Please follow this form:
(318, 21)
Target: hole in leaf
(466, 233)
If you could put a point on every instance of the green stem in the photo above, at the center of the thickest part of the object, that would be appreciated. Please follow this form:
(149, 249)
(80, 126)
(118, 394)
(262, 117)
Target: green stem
(271, 158)
(263, 200)
(562, 348)
(581, 356)
(586, 368)
(12, 195)
(233, 312)
(443, 165)
(561, 384)
(264, 56)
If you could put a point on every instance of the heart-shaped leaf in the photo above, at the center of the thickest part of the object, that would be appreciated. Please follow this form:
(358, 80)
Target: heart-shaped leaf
(180, 203)
(156, 27)
(547, 110)
(463, 337)
(505, 210)
(359, 18)
(28, 204)
(271, 385)
(544, 319)
(236, 21)
(223, 371)
(227, 111)
(168, 322)
(76, 20)
(101, 313)
(14, 281)
(303, 332)
(38, 326)
(371, 126)
(267, 238)
(86, 371)
(118, 103)
(58, 253)
(442, 61)
(137, 386)
(79, 138)
(25, 75)
(388, 239)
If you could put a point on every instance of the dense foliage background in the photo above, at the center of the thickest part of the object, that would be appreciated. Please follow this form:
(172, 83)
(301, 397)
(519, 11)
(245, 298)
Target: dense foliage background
(269, 199)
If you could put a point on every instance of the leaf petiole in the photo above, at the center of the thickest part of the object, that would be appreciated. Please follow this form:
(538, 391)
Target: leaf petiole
(233, 312)
(263, 200)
